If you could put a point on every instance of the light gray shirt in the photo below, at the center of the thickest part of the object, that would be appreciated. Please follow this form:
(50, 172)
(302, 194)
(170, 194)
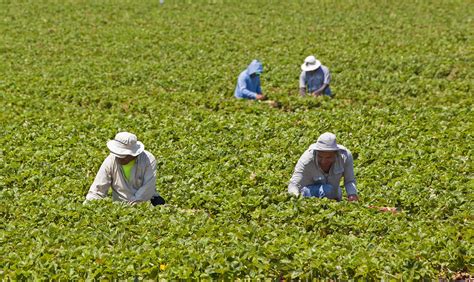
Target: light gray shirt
(307, 172)
(140, 188)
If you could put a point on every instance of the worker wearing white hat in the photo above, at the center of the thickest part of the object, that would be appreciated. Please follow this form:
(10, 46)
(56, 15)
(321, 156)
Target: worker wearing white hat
(129, 170)
(314, 78)
(320, 169)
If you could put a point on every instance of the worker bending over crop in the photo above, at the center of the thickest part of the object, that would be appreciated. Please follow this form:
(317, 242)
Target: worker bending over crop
(314, 78)
(320, 169)
(248, 83)
(129, 170)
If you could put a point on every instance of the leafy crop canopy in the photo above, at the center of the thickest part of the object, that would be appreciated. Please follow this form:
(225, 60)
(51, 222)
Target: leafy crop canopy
(75, 73)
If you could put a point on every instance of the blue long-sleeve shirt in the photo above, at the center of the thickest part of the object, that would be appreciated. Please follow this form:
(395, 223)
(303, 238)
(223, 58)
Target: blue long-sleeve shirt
(313, 80)
(248, 85)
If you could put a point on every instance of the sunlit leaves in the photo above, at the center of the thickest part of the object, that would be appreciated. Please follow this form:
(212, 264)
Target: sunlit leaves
(73, 74)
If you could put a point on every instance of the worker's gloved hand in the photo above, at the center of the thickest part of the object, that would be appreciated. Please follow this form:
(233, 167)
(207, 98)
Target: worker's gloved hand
(157, 200)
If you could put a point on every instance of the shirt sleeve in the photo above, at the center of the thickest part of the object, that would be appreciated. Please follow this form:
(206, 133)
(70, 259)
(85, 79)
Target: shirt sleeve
(148, 189)
(302, 91)
(301, 173)
(327, 76)
(102, 182)
(303, 79)
(259, 89)
(242, 85)
(349, 179)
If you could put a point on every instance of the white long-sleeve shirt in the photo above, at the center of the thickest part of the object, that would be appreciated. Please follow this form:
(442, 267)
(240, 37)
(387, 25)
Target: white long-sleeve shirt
(140, 188)
(307, 172)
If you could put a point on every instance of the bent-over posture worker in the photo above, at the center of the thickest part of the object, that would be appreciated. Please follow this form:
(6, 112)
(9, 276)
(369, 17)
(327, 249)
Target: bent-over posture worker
(320, 169)
(314, 78)
(129, 170)
(248, 83)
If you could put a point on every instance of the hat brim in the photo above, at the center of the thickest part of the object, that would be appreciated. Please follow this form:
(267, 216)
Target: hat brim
(305, 67)
(321, 148)
(119, 152)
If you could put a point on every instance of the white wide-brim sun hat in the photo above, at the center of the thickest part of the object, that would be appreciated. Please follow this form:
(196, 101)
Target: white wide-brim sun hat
(125, 144)
(326, 143)
(310, 64)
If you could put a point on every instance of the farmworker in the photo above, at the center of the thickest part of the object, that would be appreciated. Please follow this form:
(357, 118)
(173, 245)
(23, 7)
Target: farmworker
(248, 83)
(314, 78)
(129, 170)
(320, 168)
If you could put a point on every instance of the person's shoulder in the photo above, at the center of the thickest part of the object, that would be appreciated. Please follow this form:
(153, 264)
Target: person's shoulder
(110, 159)
(109, 162)
(147, 156)
(243, 74)
(308, 155)
(345, 153)
(324, 68)
(303, 75)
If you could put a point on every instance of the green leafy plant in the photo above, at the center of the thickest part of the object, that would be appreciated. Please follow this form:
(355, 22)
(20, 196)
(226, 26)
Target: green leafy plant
(75, 73)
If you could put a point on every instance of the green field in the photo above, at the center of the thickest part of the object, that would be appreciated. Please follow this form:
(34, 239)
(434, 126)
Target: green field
(74, 73)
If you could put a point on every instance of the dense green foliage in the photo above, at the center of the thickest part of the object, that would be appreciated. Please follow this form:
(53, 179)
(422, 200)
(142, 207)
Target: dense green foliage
(74, 73)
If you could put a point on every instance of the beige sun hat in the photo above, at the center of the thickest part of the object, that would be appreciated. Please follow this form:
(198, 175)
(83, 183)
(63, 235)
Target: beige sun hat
(326, 142)
(310, 64)
(125, 144)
